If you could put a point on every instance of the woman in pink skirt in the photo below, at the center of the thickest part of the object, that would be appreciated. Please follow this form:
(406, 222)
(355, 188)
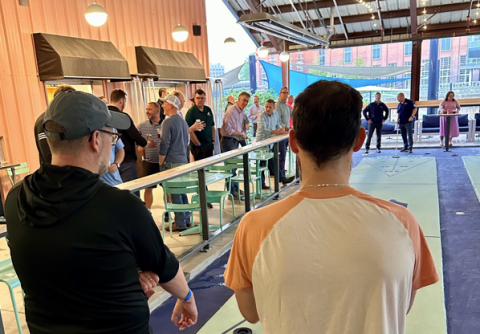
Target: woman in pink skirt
(449, 106)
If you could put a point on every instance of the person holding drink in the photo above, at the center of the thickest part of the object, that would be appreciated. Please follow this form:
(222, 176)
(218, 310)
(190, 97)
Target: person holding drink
(449, 106)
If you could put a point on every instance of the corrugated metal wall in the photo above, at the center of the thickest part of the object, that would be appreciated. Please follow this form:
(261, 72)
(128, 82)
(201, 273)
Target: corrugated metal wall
(129, 23)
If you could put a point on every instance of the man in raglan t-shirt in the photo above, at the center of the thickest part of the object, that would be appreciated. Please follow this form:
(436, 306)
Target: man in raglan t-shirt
(355, 263)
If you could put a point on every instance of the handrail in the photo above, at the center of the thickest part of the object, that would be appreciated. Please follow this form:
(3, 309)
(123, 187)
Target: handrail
(435, 103)
(154, 179)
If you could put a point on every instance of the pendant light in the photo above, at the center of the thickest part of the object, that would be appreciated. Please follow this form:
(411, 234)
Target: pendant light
(96, 15)
(180, 33)
(262, 51)
(284, 56)
(230, 40)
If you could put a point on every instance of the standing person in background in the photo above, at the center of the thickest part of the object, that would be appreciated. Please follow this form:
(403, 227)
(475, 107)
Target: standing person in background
(162, 93)
(360, 259)
(406, 111)
(246, 127)
(285, 114)
(290, 102)
(376, 113)
(104, 99)
(128, 169)
(230, 102)
(202, 142)
(232, 131)
(150, 129)
(112, 176)
(254, 112)
(44, 153)
(449, 105)
(269, 126)
(172, 154)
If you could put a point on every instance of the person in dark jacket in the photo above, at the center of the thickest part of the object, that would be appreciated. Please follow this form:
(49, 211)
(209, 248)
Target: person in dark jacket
(84, 250)
(162, 94)
(128, 169)
(44, 154)
(375, 113)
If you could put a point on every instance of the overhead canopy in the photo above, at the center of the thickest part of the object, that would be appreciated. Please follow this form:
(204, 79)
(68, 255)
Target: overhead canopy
(62, 57)
(360, 71)
(169, 65)
(231, 78)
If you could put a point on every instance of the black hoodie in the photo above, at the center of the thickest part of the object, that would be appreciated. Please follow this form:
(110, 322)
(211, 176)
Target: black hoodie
(76, 244)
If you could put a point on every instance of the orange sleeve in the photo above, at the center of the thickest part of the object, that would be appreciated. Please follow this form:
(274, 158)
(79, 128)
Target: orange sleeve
(251, 233)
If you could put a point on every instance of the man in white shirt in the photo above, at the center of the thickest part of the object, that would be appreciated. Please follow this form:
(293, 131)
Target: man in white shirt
(253, 112)
(329, 258)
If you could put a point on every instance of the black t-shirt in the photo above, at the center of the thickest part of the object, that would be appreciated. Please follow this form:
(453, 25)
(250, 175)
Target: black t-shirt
(79, 272)
(204, 136)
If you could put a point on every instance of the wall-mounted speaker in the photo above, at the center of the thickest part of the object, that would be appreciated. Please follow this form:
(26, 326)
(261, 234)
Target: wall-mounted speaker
(197, 30)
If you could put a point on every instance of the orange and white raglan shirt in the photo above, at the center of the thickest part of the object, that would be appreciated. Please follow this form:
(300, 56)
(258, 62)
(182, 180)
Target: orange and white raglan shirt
(331, 263)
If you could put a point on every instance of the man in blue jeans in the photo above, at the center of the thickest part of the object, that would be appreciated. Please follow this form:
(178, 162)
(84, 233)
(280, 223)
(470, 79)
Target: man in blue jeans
(406, 112)
(232, 130)
(172, 153)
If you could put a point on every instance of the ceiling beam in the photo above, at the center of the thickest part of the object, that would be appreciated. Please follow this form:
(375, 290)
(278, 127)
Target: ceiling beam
(254, 7)
(320, 4)
(393, 14)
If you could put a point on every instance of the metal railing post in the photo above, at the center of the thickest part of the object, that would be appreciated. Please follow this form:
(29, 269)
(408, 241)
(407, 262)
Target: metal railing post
(246, 181)
(202, 191)
(276, 169)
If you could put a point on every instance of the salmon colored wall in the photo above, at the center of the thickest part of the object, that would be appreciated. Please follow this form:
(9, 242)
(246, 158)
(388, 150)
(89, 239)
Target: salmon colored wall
(130, 23)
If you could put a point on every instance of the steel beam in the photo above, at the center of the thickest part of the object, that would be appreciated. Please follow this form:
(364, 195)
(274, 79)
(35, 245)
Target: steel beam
(254, 4)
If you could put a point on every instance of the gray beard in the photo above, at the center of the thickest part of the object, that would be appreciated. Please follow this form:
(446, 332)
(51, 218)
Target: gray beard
(103, 167)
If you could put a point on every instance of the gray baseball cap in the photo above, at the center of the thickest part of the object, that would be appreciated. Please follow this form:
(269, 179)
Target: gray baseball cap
(80, 114)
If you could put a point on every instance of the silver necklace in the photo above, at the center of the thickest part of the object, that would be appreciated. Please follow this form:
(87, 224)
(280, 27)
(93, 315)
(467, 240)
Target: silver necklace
(326, 185)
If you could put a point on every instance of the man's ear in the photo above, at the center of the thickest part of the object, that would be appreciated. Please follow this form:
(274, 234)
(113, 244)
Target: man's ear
(360, 139)
(293, 141)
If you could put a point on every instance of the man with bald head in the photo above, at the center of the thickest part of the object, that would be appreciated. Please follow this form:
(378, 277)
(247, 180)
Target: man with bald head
(254, 112)
(230, 102)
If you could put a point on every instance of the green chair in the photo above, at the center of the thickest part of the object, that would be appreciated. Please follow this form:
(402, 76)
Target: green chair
(22, 169)
(238, 164)
(265, 168)
(178, 188)
(218, 196)
(10, 278)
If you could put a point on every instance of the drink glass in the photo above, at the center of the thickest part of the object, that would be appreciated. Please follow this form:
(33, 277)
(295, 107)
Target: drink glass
(198, 122)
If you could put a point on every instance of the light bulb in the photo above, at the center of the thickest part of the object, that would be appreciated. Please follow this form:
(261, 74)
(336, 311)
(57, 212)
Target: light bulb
(425, 27)
(424, 19)
(371, 9)
(424, 11)
(262, 52)
(475, 21)
(375, 24)
(373, 17)
(284, 56)
(180, 33)
(96, 15)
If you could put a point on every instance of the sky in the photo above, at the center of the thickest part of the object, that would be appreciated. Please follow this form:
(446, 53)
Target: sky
(221, 24)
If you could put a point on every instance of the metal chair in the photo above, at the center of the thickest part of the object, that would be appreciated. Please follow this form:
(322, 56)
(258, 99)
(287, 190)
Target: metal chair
(10, 278)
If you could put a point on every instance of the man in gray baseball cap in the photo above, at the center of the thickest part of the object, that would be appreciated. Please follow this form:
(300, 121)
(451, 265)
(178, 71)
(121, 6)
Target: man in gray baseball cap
(87, 254)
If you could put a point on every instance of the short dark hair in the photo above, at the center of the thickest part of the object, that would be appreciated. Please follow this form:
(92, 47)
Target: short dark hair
(326, 119)
(161, 91)
(378, 93)
(243, 94)
(270, 101)
(117, 95)
(200, 92)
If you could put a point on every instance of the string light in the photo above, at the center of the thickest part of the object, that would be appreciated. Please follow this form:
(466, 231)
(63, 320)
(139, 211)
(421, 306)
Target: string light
(425, 27)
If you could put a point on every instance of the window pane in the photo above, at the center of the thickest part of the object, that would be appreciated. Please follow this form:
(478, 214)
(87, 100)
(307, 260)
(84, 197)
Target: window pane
(347, 57)
(408, 48)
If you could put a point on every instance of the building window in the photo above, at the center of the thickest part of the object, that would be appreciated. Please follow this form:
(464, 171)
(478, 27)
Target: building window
(408, 48)
(321, 57)
(347, 55)
(300, 58)
(445, 44)
(407, 83)
(463, 60)
(424, 73)
(474, 41)
(444, 70)
(376, 52)
(300, 69)
(465, 76)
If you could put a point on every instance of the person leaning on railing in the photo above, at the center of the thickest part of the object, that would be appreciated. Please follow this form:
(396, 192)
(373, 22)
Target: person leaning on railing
(88, 254)
(268, 126)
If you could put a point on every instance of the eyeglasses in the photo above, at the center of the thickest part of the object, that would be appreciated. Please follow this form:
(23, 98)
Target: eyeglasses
(115, 136)
(200, 98)
(283, 92)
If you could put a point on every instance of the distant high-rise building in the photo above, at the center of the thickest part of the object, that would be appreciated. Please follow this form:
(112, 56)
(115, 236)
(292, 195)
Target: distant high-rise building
(216, 70)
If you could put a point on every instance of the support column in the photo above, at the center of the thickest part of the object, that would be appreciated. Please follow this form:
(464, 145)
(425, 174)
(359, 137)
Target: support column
(285, 75)
(252, 62)
(433, 74)
(416, 71)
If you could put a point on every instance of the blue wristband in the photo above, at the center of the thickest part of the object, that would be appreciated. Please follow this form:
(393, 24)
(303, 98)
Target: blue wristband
(199, 144)
(188, 297)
